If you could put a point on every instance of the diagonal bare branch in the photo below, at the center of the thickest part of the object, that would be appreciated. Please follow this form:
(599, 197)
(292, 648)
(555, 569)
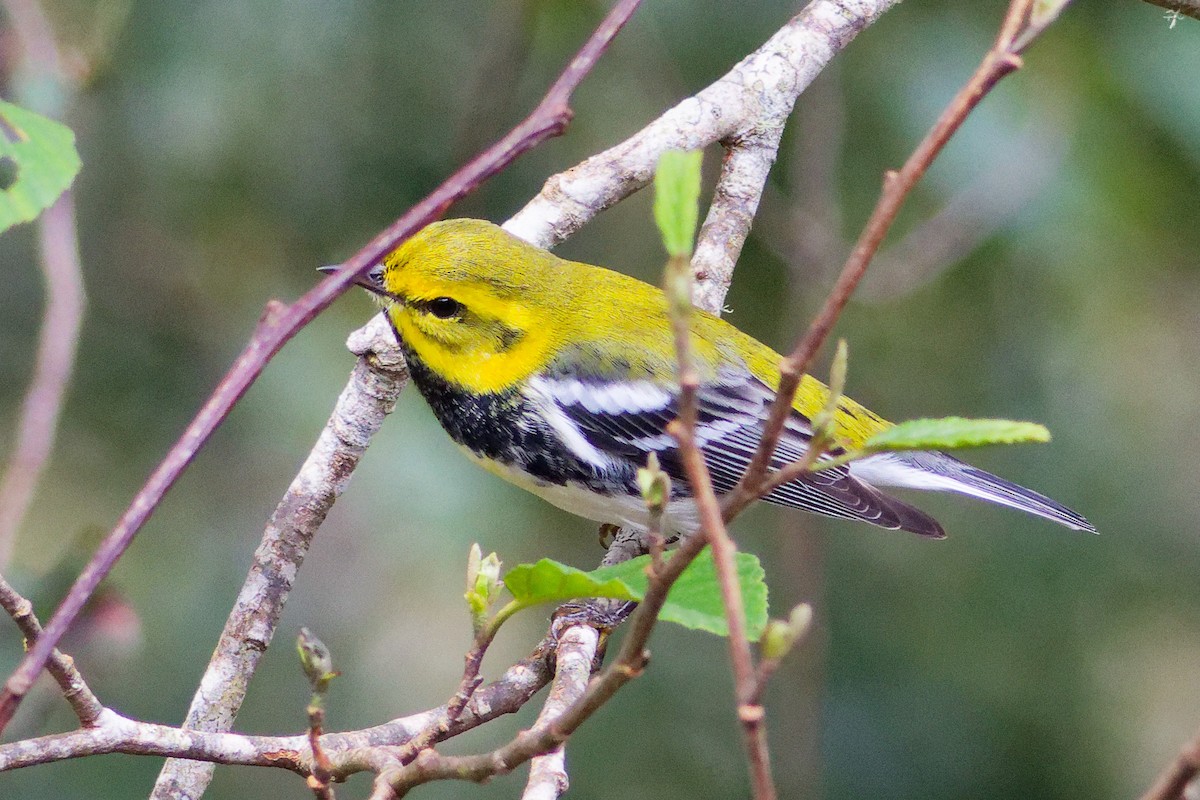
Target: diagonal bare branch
(60, 666)
(281, 323)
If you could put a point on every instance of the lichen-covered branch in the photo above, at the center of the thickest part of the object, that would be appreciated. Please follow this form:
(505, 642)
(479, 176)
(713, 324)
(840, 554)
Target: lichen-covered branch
(1016, 33)
(369, 396)
(739, 189)
(348, 752)
(762, 88)
(60, 666)
(280, 323)
(575, 654)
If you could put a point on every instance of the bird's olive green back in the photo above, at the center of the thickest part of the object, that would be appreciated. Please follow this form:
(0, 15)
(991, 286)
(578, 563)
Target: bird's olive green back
(528, 311)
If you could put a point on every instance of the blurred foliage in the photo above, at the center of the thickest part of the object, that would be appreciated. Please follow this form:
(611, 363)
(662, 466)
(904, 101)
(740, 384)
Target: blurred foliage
(37, 163)
(230, 147)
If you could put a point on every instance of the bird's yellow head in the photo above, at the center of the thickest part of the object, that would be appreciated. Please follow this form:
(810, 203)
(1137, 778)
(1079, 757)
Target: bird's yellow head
(478, 306)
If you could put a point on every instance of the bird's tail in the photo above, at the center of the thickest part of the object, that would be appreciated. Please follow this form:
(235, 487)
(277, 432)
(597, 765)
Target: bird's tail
(942, 472)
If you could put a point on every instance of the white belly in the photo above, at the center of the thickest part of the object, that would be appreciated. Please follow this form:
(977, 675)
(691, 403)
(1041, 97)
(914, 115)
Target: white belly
(622, 509)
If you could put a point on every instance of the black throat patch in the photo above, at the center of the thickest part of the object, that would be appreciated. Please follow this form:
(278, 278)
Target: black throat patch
(505, 427)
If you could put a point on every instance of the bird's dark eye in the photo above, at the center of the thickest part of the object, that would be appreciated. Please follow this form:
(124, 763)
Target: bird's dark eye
(445, 307)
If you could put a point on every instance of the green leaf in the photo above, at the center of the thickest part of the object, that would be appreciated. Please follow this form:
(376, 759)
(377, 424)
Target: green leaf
(693, 602)
(695, 599)
(551, 582)
(315, 660)
(949, 433)
(38, 161)
(781, 635)
(677, 199)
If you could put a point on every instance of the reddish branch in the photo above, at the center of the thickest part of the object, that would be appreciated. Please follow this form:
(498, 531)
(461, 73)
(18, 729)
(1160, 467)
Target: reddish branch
(60, 666)
(750, 713)
(1016, 33)
(1188, 8)
(1001, 60)
(712, 530)
(549, 119)
(431, 765)
(281, 322)
(1174, 780)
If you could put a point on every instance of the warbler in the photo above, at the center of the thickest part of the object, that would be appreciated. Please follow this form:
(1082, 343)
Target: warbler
(561, 378)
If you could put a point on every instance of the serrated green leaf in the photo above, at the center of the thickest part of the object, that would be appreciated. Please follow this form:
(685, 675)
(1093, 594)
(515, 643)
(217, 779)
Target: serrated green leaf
(39, 159)
(695, 599)
(551, 582)
(677, 199)
(950, 433)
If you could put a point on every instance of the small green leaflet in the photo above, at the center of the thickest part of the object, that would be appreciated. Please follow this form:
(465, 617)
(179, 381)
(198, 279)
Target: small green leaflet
(677, 200)
(693, 602)
(1046, 11)
(951, 433)
(38, 161)
(551, 582)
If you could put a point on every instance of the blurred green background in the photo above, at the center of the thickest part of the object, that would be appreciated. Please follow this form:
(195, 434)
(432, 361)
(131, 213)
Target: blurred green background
(232, 146)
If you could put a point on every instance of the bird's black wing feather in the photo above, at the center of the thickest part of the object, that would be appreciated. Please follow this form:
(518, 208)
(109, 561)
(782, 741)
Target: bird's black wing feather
(629, 421)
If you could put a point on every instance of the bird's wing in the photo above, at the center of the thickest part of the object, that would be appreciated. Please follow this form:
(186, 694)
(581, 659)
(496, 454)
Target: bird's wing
(628, 420)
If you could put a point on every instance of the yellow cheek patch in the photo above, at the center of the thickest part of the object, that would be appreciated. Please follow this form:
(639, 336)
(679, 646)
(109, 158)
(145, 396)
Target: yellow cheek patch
(477, 363)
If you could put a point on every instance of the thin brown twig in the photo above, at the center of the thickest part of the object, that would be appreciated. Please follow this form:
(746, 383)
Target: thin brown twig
(1173, 781)
(468, 683)
(796, 626)
(60, 666)
(431, 765)
(322, 768)
(1000, 60)
(548, 119)
(1188, 8)
(712, 526)
(795, 469)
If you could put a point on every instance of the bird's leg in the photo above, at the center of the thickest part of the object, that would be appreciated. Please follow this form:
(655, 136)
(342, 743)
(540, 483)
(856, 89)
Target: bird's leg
(600, 613)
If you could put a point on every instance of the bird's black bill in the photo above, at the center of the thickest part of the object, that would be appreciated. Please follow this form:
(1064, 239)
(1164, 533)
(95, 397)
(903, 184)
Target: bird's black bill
(372, 281)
